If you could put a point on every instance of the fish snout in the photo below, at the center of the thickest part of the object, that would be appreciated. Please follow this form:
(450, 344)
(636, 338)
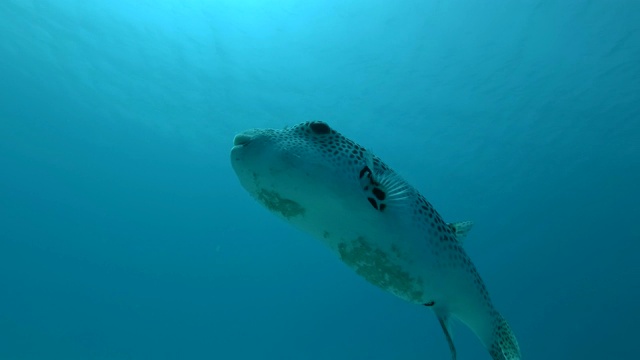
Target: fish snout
(248, 136)
(242, 139)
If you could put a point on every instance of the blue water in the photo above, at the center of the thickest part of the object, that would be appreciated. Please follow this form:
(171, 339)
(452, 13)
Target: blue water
(124, 233)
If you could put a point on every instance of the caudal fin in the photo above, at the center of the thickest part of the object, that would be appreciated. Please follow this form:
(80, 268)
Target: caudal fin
(504, 345)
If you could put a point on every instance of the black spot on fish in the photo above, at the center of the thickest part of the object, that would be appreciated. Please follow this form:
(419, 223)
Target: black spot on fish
(364, 171)
(379, 193)
(373, 203)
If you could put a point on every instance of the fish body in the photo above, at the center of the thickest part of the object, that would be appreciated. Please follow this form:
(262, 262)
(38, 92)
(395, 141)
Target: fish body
(373, 220)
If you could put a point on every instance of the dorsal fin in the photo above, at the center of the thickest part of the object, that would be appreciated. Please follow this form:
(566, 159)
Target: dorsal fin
(461, 229)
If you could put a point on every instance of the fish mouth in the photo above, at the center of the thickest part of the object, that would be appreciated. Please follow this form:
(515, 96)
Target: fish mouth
(241, 139)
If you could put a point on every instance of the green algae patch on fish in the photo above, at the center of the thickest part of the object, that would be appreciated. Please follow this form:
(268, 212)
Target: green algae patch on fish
(375, 265)
(274, 202)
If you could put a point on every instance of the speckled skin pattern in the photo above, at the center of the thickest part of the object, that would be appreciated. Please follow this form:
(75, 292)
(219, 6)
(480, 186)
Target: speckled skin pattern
(379, 225)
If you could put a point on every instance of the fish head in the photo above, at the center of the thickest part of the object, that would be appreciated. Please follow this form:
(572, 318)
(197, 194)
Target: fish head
(289, 170)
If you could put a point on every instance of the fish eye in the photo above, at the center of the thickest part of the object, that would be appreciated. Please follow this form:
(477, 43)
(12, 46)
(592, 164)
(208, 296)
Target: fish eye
(320, 128)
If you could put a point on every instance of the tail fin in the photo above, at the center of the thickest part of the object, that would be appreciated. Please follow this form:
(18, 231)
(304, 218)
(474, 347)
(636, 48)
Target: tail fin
(504, 345)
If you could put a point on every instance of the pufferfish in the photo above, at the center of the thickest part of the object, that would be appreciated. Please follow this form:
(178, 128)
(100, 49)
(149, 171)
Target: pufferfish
(373, 220)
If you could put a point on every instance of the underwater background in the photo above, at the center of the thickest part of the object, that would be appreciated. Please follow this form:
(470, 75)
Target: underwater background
(124, 233)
